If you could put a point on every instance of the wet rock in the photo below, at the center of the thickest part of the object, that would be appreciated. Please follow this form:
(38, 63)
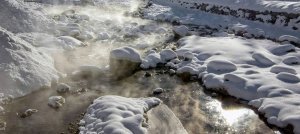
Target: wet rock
(147, 74)
(56, 101)
(62, 88)
(157, 91)
(28, 113)
(124, 62)
(172, 72)
(2, 125)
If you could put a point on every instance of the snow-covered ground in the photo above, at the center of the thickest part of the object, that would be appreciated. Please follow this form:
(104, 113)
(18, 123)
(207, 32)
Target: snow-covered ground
(41, 43)
(115, 114)
(174, 12)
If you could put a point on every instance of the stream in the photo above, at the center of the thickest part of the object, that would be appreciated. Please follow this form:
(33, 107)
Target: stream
(198, 111)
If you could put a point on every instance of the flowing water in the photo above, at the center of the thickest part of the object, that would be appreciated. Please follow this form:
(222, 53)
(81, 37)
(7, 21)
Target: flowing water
(199, 112)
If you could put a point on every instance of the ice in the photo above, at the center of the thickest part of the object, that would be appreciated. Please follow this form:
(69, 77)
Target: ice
(115, 114)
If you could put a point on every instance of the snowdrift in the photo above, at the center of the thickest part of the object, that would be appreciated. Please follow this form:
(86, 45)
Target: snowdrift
(23, 68)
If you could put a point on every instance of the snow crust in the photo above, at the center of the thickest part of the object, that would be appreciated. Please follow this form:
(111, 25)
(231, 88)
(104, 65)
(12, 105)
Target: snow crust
(115, 114)
(23, 68)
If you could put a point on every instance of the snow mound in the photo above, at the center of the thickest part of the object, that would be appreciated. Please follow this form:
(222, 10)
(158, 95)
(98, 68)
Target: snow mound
(167, 55)
(115, 114)
(248, 69)
(280, 111)
(220, 66)
(17, 16)
(23, 69)
(126, 53)
(56, 101)
(289, 38)
(181, 30)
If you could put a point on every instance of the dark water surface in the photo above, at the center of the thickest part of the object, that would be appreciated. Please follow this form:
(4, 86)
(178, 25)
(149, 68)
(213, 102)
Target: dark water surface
(198, 112)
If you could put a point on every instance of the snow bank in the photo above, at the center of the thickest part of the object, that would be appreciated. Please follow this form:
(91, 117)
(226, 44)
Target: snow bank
(281, 111)
(248, 69)
(257, 5)
(18, 16)
(241, 21)
(115, 114)
(23, 69)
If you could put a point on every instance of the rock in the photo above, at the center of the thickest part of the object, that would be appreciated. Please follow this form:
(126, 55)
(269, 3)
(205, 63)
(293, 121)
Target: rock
(157, 91)
(172, 72)
(124, 62)
(147, 74)
(2, 126)
(62, 88)
(56, 101)
(28, 113)
(181, 30)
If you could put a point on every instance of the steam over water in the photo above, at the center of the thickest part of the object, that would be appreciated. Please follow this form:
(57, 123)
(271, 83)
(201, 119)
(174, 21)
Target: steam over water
(112, 25)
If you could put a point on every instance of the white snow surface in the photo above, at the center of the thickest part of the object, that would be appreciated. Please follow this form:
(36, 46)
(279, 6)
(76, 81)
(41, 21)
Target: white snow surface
(290, 6)
(23, 68)
(116, 114)
(165, 10)
(249, 69)
(18, 16)
(126, 53)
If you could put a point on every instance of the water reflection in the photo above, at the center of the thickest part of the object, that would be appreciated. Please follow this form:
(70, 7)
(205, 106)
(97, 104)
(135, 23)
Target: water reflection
(198, 112)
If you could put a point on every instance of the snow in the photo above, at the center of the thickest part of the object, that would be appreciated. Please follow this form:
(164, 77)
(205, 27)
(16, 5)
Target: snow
(167, 55)
(23, 68)
(289, 38)
(62, 88)
(280, 111)
(248, 69)
(56, 101)
(115, 114)
(168, 11)
(126, 53)
(181, 30)
(18, 16)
